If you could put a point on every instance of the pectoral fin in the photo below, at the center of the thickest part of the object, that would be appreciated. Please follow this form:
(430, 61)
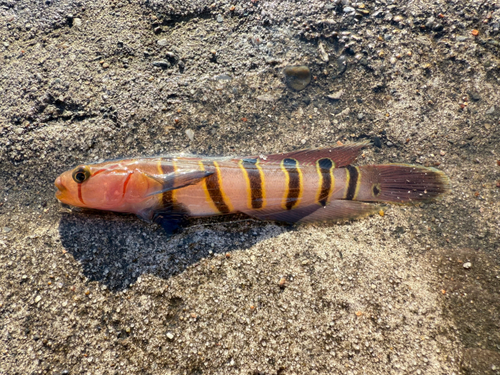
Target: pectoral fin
(173, 181)
(171, 221)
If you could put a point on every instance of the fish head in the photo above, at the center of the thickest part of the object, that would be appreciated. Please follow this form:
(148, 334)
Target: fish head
(97, 186)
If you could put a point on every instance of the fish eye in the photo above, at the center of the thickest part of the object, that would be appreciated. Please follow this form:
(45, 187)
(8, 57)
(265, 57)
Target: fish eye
(81, 174)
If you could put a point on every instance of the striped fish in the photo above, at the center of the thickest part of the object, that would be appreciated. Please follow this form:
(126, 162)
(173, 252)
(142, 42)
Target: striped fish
(301, 186)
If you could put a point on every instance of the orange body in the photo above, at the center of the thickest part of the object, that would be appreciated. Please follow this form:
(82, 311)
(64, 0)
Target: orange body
(301, 186)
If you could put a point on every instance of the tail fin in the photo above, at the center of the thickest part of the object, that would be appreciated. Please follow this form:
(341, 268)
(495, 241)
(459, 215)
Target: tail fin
(400, 183)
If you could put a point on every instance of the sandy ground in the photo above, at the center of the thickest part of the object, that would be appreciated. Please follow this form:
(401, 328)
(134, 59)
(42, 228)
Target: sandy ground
(415, 291)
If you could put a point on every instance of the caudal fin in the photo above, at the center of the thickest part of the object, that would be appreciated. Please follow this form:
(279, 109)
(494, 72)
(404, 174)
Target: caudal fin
(400, 183)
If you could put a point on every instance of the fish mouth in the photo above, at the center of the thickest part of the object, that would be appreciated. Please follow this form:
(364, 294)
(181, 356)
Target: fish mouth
(61, 189)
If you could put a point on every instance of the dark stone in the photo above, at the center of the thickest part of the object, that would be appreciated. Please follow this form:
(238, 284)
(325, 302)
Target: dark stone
(377, 142)
(342, 64)
(378, 87)
(474, 96)
(162, 64)
(297, 77)
(437, 27)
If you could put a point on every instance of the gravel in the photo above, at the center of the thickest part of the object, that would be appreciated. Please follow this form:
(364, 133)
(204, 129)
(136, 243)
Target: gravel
(87, 292)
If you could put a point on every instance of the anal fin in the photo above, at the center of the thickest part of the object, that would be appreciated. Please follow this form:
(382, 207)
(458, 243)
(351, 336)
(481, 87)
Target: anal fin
(286, 216)
(337, 210)
(340, 210)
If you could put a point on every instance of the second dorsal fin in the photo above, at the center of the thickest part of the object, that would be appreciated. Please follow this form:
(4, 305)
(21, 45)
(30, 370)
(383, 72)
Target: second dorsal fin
(340, 155)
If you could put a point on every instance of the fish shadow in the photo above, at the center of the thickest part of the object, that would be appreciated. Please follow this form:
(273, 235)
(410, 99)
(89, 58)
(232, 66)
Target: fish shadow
(115, 250)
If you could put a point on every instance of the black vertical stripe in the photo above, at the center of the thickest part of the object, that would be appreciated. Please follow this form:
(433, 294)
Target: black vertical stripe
(213, 187)
(255, 179)
(325, 167)
(353, 181)
(291, 167)
(167, 200)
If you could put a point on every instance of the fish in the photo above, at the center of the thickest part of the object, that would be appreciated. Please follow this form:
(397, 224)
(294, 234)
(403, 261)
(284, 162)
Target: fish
(310, 185)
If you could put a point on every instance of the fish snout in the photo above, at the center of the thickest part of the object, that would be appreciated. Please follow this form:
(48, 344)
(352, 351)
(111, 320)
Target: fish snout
(61, 189)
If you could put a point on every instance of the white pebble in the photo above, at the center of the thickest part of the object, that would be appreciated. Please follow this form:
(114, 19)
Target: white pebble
(190, 134)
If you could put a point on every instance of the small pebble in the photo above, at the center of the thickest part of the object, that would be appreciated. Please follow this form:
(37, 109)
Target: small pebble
(322, 52)
(77, 22)
(162, 42)
(297, 77)
(344, 113)
(474, 96)
(377, 142)
(6, 229)
(430, 22)
(336, 95)
(170, 55)
(220, 19)
(170, 335)
(437, 27)
(162, 64)
(38, 299)
(467, 265)
(442, 153)
(282, 282)
(190, 134)
(223, 77)
(266, 98)
(342, 64)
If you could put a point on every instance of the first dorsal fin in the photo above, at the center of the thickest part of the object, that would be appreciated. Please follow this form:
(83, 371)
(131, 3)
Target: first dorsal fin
(340, 155)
